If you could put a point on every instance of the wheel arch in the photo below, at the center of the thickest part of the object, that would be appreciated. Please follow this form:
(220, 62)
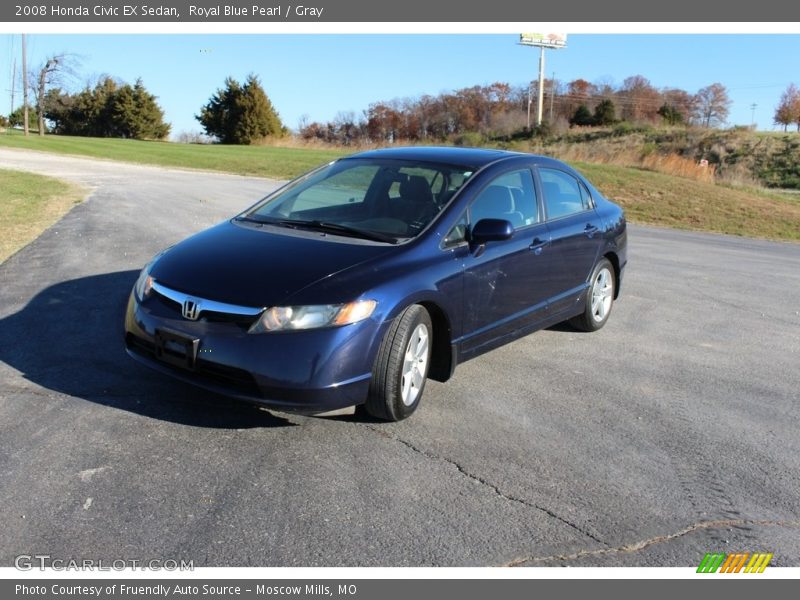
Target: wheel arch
(442, 357)
(614, 260)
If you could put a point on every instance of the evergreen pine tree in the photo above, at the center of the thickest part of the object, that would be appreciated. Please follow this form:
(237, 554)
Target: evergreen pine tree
(240, 114)
(582, 116)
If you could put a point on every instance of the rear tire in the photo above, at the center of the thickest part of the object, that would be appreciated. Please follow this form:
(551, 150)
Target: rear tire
(401, 367)
(599, 298)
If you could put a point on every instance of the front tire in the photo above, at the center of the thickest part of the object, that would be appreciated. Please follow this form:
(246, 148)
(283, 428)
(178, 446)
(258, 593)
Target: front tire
(401, 367)
(599, 298)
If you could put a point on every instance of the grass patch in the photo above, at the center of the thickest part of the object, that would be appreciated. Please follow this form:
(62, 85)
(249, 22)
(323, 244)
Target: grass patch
(29, 204)
(658, 199)
(264, 161)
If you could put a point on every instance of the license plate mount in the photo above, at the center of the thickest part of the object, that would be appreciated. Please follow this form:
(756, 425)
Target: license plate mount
(177, 349)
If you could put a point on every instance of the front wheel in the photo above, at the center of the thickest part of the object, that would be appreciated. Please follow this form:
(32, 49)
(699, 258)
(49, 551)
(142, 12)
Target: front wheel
(401, 367)
(599, 298)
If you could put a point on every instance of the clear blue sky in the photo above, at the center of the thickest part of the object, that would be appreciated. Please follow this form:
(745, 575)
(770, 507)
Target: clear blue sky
(320, 75)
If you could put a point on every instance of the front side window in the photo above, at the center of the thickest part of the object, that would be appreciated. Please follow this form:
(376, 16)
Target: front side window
(510, 196)
(395, 198)
(563, 195)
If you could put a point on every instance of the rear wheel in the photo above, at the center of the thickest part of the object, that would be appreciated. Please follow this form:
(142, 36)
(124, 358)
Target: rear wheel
(599, 298)
(401, 367)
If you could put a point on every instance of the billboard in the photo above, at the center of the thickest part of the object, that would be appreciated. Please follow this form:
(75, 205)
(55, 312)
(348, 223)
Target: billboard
(548, 40)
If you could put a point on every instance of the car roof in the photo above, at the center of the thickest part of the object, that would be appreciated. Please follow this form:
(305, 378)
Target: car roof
(466, 157)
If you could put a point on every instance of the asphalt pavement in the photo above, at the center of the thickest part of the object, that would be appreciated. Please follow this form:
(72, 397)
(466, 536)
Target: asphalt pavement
(670, 433)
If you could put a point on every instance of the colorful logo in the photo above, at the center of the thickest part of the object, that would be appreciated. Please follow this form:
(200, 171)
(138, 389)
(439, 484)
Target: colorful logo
(743, 562)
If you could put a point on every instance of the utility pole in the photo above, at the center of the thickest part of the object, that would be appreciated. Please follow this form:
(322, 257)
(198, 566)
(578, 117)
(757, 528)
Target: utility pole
(540, 99)
(24, 88)
(753, 107)
(552, 95)
(530, 100)
(13, 83)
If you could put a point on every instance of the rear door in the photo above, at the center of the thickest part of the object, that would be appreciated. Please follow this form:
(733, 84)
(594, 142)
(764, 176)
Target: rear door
(575, 235)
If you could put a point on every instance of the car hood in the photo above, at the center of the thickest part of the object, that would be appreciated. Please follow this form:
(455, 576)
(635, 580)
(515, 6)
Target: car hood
(257, 266)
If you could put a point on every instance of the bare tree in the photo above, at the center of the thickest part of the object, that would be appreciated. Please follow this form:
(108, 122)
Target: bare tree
(713, 105)
(53, 71)
(638, 99)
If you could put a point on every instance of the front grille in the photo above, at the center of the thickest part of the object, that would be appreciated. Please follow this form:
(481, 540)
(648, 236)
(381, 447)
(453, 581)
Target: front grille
(165, 307)
(224, 376)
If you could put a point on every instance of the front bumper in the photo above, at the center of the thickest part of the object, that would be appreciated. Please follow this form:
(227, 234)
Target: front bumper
(306, 371)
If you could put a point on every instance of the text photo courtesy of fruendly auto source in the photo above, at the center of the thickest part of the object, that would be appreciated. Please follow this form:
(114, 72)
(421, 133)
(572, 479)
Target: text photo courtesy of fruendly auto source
(412, 300)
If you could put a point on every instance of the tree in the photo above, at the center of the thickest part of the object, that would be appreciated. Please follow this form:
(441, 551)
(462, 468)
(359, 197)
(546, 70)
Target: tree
(670, 114)
(681, 101)
(582, 116)
(15, 118)
(713, 105)
(109, 109)
(240, 114)
(639, 99)
(136, 114)
(788, 110)
(53, 71)
(579, 91)
(605, 112)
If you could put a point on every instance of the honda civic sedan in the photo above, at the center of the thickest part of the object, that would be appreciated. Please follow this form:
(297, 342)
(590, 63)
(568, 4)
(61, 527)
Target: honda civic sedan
(355, 283)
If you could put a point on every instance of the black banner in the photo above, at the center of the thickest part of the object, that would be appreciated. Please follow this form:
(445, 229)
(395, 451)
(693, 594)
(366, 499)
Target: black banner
(409, 11)
(396, 589)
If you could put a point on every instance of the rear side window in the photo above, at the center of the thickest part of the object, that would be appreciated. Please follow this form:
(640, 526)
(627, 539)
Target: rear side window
(563, 194)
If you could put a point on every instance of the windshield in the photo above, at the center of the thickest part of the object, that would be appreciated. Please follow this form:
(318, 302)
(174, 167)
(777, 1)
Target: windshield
(380, 197)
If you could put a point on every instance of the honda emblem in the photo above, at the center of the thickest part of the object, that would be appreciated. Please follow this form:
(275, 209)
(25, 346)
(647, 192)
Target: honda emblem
(191, 309)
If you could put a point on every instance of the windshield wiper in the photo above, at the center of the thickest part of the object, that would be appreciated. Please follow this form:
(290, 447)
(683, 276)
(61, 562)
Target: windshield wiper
(248, 219)
(316, 225)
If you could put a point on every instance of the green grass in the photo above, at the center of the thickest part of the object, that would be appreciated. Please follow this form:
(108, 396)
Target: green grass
(29, 204)
(263, 161)
(657, 199)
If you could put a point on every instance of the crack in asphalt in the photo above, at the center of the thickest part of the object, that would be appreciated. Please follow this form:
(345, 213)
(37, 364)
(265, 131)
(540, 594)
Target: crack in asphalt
(641, 545)
(486, 483)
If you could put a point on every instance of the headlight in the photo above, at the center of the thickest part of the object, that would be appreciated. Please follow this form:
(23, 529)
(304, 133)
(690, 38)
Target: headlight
(144, 284)
(283, 318)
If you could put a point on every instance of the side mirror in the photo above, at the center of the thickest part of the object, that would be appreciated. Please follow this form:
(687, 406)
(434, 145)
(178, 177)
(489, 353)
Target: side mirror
(490, 230)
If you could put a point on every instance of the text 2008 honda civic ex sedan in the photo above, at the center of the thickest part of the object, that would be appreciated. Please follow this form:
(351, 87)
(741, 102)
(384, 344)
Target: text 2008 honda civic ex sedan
(356, 282)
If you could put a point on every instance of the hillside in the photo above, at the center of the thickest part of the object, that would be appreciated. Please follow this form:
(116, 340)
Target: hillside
(738, 156)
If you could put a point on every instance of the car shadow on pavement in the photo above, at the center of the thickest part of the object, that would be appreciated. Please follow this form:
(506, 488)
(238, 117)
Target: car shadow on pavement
(565, 327)
(69, 339)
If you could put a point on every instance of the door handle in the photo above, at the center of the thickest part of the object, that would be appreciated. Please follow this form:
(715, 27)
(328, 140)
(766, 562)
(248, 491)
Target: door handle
(590, 230)
(536, 245)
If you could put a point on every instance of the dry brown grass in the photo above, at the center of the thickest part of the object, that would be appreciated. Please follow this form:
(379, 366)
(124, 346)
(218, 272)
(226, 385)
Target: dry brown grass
(678, 166)
(624, 153)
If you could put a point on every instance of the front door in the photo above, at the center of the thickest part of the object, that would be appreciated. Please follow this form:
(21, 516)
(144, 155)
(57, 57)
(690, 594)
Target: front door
(506, 283)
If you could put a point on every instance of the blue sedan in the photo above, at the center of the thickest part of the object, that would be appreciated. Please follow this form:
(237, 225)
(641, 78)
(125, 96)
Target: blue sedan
(355, 283)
